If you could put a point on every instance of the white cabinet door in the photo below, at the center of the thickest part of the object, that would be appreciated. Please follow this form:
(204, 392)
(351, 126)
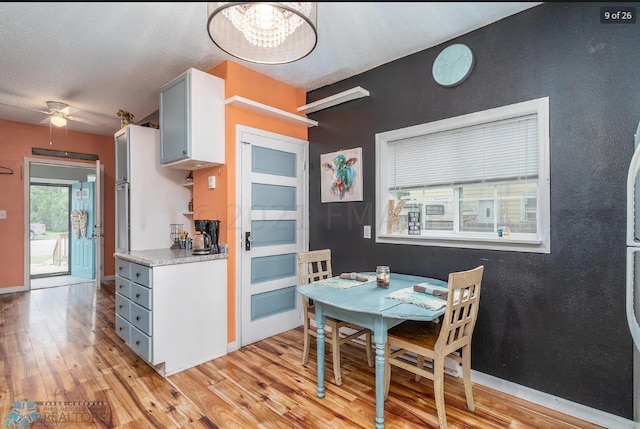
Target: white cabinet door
(122, 155)
(192, 133)
(174, 116)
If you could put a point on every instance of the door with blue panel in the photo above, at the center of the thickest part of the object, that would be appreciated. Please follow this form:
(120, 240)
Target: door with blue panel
(82, 230)
(274, 212)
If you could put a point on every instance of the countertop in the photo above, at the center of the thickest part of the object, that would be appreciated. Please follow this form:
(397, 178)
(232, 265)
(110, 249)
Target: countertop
(161, 257)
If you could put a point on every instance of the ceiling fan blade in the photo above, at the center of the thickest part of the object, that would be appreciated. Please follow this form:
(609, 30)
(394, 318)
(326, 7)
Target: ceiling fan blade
(84, 121)
(26, 108)
(69, 110)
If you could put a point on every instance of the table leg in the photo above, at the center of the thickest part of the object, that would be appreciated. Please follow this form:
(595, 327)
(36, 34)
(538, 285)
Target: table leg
(380, 339)
(320, 322)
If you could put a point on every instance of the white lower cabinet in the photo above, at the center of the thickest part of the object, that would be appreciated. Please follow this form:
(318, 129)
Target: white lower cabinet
(173, 316)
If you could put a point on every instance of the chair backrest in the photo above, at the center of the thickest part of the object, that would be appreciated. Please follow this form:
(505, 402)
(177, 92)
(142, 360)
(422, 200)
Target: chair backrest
(314, 265)
(461, 313)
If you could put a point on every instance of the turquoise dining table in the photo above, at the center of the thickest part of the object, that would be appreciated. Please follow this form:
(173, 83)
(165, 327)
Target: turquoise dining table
(367, 305)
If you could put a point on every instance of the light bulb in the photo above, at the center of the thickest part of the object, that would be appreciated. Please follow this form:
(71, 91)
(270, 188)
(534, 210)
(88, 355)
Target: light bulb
(58, 121)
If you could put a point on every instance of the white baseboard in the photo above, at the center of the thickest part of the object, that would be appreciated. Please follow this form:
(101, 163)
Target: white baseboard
(564, 406)
(13, 289)
(231, 347)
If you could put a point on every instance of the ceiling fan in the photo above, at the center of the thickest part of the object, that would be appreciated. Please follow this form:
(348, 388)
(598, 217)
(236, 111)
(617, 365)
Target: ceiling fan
(58, 114)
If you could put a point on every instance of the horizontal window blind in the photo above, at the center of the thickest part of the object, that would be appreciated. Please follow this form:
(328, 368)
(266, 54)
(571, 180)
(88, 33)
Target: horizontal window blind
(500, 150)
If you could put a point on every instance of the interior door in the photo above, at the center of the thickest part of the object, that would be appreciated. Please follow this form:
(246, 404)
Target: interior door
(274, 206)
(81, 235)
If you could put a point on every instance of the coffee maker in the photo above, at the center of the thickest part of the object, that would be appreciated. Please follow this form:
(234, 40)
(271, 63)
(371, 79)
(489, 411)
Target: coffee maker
(211, 228)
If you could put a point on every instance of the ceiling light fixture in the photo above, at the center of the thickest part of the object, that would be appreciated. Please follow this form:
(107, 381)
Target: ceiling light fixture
(58, 120)
(264, 33)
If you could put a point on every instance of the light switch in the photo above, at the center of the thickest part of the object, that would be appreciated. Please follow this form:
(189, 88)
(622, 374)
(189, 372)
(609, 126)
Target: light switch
(3, 214)
(211, 180)
(367, 231)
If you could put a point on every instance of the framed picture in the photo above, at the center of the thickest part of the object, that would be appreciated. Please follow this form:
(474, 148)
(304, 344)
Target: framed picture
(341, 176)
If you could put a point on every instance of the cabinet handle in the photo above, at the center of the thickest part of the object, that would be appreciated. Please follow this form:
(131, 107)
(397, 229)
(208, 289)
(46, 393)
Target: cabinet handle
(137, 274)
(137, 343)
(137, 295)
(120, 287)
(137, 317)
(121, 306)
(120, 328)
(184, 151)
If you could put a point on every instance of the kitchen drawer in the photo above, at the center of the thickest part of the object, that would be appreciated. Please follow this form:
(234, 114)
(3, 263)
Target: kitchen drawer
(141, 343)
(141, 318)
(123, 329)
(123, 287)
(141, 295)
(122, 268)
(140, 274)
(123, 307)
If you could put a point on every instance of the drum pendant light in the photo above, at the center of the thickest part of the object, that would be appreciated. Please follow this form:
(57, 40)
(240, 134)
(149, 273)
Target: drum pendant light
(264, 32)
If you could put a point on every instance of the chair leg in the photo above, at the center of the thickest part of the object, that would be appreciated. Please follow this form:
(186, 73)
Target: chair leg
(369, 348)
(438, 390)
(335, 335)
(387, 370)
(466, 376)
(307, 340)
(419, 364)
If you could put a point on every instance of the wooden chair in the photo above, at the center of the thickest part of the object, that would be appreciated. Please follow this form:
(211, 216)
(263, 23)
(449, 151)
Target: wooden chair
(436, 341)
(313, 266)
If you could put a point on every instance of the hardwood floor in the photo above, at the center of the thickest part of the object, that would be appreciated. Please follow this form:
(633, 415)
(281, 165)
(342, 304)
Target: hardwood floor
(58, 348)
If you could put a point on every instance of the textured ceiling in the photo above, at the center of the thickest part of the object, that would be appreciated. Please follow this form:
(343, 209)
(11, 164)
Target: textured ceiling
(102, 57)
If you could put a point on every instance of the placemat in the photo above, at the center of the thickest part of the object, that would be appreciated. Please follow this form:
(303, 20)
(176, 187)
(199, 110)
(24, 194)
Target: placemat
(338, 283)
(420, 299)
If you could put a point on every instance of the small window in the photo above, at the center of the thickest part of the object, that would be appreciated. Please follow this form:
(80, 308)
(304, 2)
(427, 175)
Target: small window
(462, 182)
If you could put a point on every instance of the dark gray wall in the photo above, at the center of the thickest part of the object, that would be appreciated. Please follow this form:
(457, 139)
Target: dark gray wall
(552, 322)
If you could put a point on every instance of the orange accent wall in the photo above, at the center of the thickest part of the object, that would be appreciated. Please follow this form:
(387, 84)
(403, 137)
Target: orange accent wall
(220, 203)
(16, 141)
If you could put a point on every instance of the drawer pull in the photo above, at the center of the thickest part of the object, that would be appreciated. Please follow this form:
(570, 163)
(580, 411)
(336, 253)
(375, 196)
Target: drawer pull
(137, 295)
(121, 328)
(120, 306)
(137, 317)
(120, 286)
(137, 343)
(137, 274)
(120, 268)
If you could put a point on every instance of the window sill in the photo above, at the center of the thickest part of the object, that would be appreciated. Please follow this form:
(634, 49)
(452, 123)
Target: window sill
(513, 243)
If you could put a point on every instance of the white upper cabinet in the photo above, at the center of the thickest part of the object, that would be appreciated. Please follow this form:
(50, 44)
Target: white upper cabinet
(192, 121)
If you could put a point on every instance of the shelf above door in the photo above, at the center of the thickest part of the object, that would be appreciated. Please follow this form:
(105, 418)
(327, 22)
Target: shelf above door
(342, 97)
(245, 103)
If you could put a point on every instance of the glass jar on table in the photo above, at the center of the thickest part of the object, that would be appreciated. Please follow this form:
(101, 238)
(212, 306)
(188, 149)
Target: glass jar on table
(382, 276)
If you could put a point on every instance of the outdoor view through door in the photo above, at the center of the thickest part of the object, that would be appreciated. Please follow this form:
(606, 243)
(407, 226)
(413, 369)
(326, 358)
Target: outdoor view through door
(49, 229)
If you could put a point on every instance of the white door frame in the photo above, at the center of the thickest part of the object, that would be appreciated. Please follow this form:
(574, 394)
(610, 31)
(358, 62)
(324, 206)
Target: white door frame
(27, 197)
(238, 228)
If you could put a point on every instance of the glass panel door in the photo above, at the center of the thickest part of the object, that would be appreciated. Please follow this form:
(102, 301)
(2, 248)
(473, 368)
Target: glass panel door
(49, 230)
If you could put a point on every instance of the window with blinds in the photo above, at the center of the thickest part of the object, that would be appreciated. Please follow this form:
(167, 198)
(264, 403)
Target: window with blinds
(479, 180)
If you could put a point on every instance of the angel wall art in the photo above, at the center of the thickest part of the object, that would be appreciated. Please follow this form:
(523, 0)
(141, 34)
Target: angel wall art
(341, 176)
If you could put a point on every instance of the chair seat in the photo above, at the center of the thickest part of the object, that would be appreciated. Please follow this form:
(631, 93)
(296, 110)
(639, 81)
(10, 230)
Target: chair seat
(421, 334)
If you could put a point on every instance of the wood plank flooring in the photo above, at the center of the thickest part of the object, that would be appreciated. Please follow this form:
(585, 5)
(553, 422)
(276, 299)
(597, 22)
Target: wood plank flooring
(58, 348)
